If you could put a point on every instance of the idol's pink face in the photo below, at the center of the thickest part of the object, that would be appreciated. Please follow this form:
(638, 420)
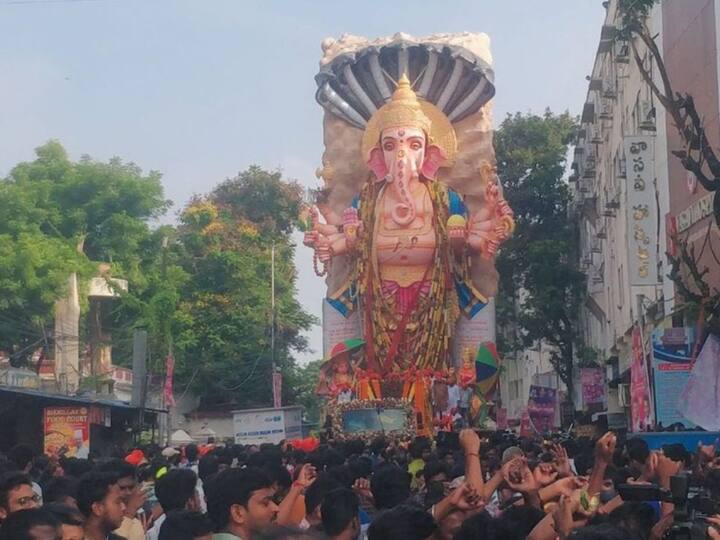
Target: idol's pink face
(404, 152)
(401, 156)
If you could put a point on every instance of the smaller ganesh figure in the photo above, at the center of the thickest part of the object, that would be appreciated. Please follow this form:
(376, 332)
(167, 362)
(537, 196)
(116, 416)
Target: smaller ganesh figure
(467, 376)
(337, 373)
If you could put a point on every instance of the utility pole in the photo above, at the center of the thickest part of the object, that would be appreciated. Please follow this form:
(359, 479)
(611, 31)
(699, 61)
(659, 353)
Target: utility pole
(168, 338)
(276, 377)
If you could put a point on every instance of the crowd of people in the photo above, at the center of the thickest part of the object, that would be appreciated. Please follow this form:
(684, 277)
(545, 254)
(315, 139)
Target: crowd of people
(497, 487)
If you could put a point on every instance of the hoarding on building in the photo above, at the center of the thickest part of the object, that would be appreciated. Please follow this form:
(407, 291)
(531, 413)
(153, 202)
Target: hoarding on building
(67, 431)
(641, 210)
(672, 350)
(541, 407)
(592, 382)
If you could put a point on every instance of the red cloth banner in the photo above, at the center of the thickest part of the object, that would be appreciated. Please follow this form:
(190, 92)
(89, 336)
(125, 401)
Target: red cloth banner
(639, 385)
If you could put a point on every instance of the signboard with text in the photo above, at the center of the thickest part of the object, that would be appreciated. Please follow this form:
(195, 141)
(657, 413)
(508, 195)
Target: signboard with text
(641, 210)
(257, 426)
(67, 431)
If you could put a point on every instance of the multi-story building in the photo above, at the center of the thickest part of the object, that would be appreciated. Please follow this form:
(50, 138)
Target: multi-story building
(628, 187)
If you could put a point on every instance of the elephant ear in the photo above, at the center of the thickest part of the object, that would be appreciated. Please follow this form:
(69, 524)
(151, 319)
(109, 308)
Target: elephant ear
(434, 158)
(376, 162)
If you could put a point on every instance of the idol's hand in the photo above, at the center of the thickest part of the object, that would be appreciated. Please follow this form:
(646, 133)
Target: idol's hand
(311, 238)
(323, 250)
(351, 225)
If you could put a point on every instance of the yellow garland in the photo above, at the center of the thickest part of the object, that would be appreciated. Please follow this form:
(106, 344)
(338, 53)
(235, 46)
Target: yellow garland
(430, 327)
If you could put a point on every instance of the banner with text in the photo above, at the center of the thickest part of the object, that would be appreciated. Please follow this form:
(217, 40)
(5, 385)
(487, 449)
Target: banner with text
(641, 210)
(67, 431)
(541, 407)
(672, 360)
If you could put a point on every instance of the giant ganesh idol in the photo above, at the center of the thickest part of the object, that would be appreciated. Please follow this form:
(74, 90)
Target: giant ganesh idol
(411, 214)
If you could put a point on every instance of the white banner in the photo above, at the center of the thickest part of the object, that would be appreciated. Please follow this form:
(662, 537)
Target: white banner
(471, 333)
(641, 210)
(338, 328)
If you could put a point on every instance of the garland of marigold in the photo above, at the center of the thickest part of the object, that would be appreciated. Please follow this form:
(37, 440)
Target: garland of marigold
(431, 325)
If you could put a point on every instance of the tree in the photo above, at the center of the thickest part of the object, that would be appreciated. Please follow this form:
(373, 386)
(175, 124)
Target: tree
(303, 381)
(222, 324)
(61, 217)
(540, 286)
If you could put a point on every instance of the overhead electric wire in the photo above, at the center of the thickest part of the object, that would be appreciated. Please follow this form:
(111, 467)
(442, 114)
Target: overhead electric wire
(20, 2)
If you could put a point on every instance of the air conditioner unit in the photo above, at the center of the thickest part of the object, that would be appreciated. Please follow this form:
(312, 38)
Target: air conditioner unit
(583, 187)
(613, 205)
(609, 213)
(646, 116)
(602, 234)
(622, 168)
(622, 52)
(624, 395)
(608, 90)
(605, 111)
(590, 162)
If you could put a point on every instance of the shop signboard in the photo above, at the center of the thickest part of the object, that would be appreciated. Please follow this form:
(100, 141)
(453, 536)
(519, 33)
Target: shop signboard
(641, 210)
(67, 431)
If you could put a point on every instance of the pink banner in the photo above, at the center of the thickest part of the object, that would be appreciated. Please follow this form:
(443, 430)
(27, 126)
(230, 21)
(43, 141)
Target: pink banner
(593, 385)
(541, 407)
(639, 387)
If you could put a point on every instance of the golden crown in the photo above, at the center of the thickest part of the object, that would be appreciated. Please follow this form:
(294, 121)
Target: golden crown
(403, 110)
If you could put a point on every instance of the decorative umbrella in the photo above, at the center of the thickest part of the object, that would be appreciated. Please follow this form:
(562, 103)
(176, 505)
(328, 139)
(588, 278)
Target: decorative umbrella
(486, 370)
(486, 367)
(347, 346)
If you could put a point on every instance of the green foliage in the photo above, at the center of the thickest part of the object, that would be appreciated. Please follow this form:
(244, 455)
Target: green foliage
(61, 217)
(223, 318)
(632, 16)
(201, 289)
(303, 381)
(540, 285)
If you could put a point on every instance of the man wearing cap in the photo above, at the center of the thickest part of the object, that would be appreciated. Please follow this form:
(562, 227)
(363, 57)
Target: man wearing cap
(172, 455)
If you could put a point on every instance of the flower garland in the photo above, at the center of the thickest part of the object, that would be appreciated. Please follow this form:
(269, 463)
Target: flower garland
(429, 328)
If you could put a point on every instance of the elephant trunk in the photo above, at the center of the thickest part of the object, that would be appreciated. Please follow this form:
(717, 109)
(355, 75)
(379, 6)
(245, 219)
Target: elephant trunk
(402, 173)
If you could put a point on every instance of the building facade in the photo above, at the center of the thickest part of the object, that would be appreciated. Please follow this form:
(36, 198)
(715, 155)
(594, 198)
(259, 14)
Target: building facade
(631, 193)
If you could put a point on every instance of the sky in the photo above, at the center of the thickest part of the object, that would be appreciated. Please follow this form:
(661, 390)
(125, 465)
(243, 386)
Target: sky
(201, 89)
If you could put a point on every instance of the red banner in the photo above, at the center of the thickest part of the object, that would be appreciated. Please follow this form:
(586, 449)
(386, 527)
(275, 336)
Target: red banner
(639, 385)
(169, 371)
